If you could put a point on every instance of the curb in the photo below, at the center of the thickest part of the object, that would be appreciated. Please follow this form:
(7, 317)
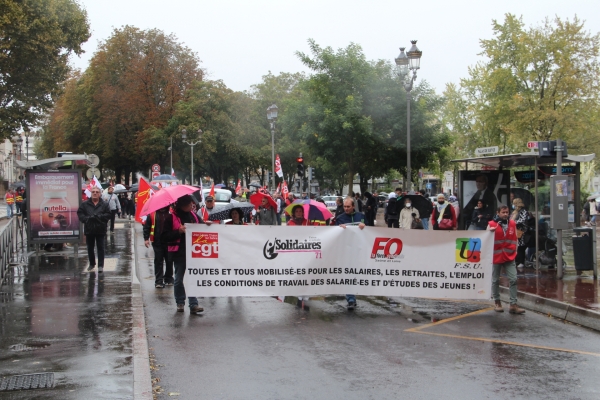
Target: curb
(142, 381)
(557, 309)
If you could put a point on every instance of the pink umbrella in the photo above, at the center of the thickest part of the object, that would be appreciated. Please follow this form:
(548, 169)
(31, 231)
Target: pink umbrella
(165, 197)
(313, 210)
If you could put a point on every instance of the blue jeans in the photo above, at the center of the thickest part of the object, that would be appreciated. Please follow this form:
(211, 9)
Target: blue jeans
(178, 288)
(9, 210)
(511, 271)
(425, 223)
(350, 298)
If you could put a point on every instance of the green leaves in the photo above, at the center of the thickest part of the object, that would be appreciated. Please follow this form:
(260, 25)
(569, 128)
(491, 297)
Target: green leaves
(37, 38)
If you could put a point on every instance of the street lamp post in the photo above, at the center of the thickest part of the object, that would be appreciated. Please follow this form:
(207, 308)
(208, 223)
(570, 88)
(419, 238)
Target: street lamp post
(272, 117)
(406, 62)
(171, 150)
(192, 144)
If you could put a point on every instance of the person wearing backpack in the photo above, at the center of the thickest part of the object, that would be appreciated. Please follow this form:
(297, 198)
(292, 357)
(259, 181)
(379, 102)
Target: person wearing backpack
(391, 215)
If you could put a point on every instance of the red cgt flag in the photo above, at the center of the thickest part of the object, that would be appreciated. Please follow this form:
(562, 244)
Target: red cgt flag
(238, 188)
(143, 194)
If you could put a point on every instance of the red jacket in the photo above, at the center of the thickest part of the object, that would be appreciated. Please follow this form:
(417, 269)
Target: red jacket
(505, 245)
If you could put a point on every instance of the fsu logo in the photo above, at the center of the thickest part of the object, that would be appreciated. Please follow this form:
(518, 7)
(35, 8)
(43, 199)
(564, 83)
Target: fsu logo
(468, 250)
(386, 248)
(205, 245)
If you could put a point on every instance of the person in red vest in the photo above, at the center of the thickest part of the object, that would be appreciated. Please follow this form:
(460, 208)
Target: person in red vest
(9, 197)
(505, 252)
(19, 198)
(153, 229)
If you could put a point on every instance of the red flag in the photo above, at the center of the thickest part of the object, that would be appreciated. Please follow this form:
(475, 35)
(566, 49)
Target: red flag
(284, 190)
(212, 190)
(238, 188)
(278, 186)
(143, 194)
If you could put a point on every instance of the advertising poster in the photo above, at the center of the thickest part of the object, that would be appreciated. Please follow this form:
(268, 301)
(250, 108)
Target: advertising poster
(492, 187)
(53, 198)
(228, 260)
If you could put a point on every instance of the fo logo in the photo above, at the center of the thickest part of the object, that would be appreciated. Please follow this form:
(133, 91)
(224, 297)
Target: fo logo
(468, 250)
(386, 248)
(205, 245)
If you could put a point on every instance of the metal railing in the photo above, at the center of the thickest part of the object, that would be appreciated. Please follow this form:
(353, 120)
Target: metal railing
(13, 243)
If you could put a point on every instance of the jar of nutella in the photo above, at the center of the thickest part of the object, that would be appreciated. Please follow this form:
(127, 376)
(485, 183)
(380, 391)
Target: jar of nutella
(55, 211)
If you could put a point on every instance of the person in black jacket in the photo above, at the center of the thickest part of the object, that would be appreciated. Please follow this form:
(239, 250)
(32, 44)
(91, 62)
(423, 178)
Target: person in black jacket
(370, 209)
(94, 213)
(153, 228)
(174, 234)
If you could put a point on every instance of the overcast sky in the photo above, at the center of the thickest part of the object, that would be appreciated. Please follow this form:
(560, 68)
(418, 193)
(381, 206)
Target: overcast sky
(239, 41)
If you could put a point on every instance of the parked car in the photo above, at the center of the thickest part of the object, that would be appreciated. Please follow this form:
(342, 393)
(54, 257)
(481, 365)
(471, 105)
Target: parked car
(330, 202)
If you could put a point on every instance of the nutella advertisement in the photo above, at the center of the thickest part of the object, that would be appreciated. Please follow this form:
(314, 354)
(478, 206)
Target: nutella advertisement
(52, 200)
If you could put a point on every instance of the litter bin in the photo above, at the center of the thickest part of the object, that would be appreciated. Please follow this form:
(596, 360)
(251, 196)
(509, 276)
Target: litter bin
(584, 249)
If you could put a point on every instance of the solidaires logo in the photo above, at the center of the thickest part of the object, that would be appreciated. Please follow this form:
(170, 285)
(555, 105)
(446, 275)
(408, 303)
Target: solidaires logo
(468, 250)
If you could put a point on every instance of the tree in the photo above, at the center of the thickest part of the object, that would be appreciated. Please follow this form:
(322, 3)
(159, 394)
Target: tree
(119, 106)
(37, 39)
(537, 83)
(350, 115)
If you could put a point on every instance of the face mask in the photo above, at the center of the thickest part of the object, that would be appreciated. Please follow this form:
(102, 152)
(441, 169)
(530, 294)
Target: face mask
(441, 201)
(407, 205)
(513, 207)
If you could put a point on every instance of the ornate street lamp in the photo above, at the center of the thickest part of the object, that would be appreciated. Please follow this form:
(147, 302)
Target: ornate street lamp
(272, 117)
(406, 62)
(192, 144)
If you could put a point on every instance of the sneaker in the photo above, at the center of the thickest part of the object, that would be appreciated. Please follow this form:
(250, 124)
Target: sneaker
(159, 285)
(100, 269)
(196, 309)
(169, 284)
(91, 268)
(351, 305)
(180, 307)
(112, 232)
(521, 266)
(514, 309)
(498, 306)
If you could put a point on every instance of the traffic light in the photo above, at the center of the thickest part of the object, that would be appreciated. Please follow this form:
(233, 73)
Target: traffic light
(300, 162)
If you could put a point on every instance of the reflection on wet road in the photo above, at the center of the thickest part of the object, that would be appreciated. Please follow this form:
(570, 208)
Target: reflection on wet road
(57, 318)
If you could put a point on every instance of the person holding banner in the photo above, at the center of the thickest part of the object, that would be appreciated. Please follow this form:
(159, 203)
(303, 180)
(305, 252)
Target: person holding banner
(174, 235)
(153, 228)
(505, 252)
(94, 214)
(349, 217)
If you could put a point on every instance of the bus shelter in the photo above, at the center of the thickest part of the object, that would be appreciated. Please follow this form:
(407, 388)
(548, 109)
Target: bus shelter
(528, 168)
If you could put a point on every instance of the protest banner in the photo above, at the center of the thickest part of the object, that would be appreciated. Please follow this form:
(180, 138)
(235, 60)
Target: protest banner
(227, 260)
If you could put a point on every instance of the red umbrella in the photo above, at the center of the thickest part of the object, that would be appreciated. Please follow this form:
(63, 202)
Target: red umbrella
(166, 196)
(256, 199)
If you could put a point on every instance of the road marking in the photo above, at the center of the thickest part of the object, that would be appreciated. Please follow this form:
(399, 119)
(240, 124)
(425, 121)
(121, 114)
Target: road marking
(533, 346)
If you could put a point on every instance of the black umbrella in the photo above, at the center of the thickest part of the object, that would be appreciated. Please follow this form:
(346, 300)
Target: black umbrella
(135, 188)
(525, 195)
(422, 204)
(17, 185)
(223, 212)
(165, 177)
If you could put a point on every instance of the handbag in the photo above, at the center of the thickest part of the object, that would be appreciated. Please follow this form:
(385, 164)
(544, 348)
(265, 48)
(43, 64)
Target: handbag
(445, 224)
(520, 233)
(416, 224)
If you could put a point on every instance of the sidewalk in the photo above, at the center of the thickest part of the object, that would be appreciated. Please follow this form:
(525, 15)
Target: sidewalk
(72, 328)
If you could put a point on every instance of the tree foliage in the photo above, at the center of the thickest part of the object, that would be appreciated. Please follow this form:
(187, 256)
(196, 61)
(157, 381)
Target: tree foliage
(537, 83)
(37, 39)
(351, 115)
(118, 108)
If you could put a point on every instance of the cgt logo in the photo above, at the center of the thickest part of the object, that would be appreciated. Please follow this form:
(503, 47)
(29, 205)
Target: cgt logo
(392, 247)
(468, 250)
(205, 245)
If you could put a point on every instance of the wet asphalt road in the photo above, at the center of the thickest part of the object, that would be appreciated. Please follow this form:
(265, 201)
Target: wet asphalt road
(57, 318)
(246, 348)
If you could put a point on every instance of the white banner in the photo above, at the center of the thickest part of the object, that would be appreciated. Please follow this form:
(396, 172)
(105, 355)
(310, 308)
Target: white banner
(229, 260)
